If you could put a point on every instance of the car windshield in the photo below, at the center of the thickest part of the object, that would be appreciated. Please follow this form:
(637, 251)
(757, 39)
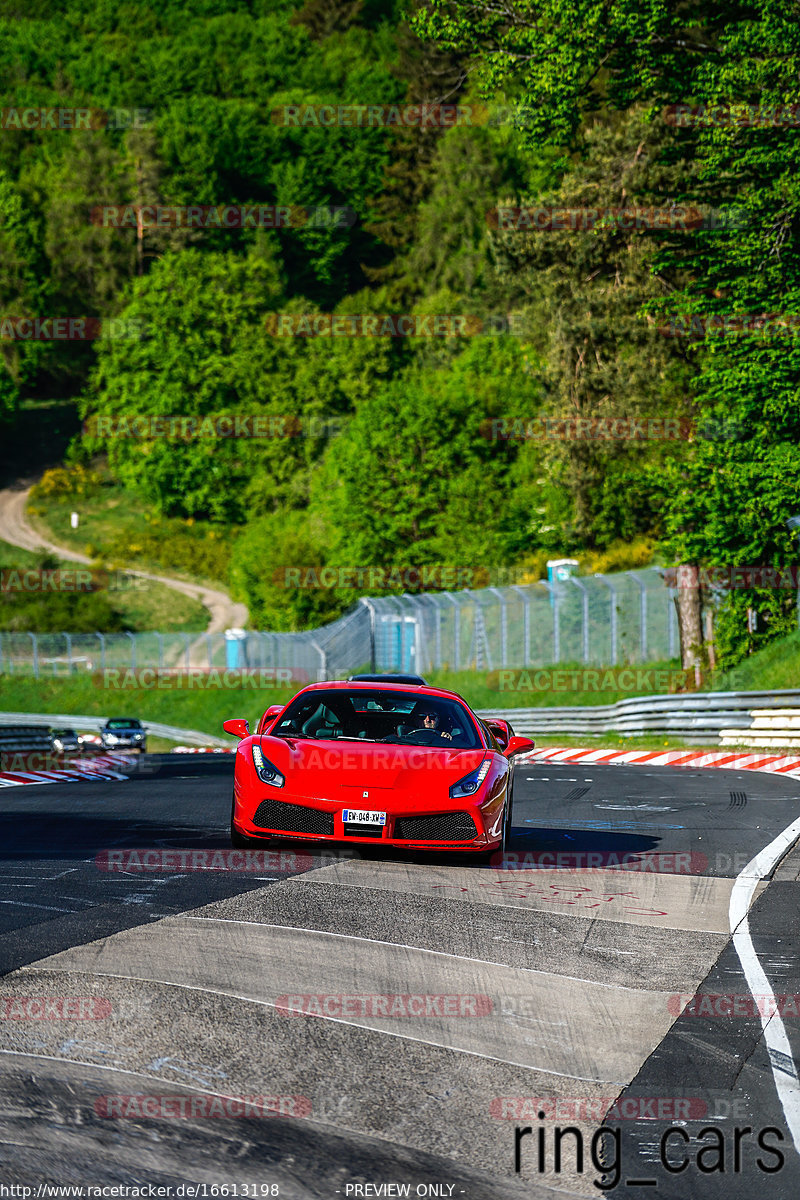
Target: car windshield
(374, 715)
(121, 723)
(62, 733)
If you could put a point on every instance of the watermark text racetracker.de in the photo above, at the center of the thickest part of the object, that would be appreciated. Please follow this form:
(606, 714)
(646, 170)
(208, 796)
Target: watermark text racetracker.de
(169, 1107)
(734, 1004)
(145, 427)
(729, 577)
(343, 1006)
(421, 578)
(639, 680)
(209, 680)
(76, 579)
(221, 216)
(54, 1008)
(156, 860)
(71, 329)
(617, 428)
(670, 217)
(391, 116)
(583, 862)
(645, 862)
(736, 115)
(587, 429)
(75, 118)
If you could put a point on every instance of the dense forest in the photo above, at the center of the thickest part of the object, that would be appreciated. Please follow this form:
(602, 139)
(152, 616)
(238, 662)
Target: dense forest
(608, 193)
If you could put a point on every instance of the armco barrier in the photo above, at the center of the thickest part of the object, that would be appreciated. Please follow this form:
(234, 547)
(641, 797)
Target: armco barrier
(729, 718)
(770, 727)
(25, 740)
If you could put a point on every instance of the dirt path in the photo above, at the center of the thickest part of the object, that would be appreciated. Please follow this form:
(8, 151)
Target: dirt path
(15, 528)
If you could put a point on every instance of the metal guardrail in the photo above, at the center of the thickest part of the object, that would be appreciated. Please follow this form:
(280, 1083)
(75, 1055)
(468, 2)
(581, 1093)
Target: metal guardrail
(698, 719)
(18, 739)
(25, 743)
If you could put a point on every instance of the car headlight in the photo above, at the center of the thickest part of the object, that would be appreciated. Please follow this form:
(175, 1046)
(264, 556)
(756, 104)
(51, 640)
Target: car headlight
(470, 783)
(111, 737)
(265, 770)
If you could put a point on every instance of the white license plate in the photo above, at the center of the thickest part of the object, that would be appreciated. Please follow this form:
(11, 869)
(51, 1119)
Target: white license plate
(363, 816)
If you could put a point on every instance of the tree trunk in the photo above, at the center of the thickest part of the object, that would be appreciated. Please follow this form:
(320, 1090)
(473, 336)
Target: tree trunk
(687, 600)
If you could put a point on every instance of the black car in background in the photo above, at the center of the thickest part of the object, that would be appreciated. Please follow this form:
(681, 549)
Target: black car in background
(123, 733)
(66, 741)
(388, 677)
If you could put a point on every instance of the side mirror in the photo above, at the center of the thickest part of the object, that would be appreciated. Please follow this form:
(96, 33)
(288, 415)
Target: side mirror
(238, 727)
(502, 732)
(269, 716)
(519, 745)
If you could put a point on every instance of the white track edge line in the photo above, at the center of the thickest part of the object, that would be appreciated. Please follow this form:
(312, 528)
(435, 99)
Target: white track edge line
(781, 1060)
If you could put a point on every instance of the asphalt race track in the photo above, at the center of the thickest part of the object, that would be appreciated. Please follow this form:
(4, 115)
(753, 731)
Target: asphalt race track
(396, 1019)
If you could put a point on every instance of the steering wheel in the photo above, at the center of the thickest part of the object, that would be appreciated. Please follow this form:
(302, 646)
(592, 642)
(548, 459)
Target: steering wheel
(420, 737)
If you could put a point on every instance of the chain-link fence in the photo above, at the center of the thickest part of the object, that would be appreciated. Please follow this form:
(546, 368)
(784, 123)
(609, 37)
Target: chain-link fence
(599, 620)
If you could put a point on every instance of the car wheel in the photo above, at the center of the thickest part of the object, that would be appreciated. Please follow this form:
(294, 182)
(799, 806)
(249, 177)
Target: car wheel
(506, 842)
(486, 858)
(238, 840)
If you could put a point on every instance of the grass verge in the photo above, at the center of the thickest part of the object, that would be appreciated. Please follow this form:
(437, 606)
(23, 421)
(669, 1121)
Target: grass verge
(125, 602)
(116, 526)
(566, 685)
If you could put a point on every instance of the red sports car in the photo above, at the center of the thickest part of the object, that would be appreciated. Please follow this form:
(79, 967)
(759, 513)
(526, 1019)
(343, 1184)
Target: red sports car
(363, 762)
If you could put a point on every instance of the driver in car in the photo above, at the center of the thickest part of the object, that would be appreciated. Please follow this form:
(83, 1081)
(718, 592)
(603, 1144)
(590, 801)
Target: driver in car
(430, 720)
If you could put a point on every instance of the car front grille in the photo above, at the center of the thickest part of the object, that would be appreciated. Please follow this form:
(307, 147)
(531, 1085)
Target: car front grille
(444, 827)
(293, 818)
(363, 831)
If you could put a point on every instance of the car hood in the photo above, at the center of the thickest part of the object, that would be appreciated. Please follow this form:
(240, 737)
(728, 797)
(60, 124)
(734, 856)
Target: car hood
(312, 766)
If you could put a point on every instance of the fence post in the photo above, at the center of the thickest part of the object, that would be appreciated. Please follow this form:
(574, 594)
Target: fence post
(642, 615)
(503, 626)
(419, 630)
(526, 623)
(585, 607)
(187, 647)
(132, 636)
(69, 653)
(614, 615)
(456, 630)
(323, 669)
(436, 660)
(103, 651)
(33, 638)
(160, 639)
(553, 589)
(370, 607)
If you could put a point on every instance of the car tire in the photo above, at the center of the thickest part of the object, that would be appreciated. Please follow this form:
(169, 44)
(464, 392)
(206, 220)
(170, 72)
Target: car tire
(506, 842)
(238, 840)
